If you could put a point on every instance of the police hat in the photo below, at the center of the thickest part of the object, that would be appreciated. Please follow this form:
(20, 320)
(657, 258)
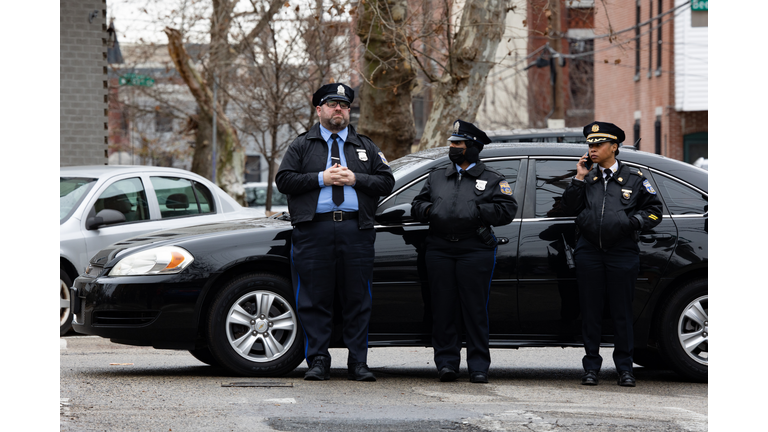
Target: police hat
(599, 132)
(335, 91)
(464, 131)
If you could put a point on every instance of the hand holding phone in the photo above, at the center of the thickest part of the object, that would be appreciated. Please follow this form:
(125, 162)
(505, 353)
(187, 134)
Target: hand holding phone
(583, 166)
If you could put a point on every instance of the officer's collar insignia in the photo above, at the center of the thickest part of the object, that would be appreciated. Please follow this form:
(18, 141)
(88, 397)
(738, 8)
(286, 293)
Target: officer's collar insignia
(594, 178)
(340, 90)
(362, 155)
(648, 187)
(505, 188)
(595, 128)
(621, 180)
(480, 184)
(456, 127)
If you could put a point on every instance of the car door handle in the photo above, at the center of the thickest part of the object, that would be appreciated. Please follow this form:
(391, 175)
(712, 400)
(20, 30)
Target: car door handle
(648, 238)
(502, 240)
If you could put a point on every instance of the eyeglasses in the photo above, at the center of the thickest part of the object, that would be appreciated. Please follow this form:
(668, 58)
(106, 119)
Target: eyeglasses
(332, 104)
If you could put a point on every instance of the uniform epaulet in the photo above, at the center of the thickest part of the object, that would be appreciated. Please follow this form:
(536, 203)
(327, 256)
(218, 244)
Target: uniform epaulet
(637, 172)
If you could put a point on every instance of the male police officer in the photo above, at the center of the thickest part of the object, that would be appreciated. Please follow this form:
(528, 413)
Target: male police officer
(460, 203)
(613, 203)
(333, 178)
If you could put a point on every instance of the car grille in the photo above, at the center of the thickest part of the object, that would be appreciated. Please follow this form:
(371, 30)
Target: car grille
(124, 318)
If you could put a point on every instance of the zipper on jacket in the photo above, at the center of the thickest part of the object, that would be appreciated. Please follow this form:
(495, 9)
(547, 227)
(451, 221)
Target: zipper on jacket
(602, 213)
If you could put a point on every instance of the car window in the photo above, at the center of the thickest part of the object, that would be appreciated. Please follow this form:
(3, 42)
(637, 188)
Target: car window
(181, 197)
(257, 196)
(552, 177)
(71, 192)
(126, 196)
(679, 198)
(508, 168)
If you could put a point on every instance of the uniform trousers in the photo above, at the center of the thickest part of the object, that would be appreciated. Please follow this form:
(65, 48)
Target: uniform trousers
(459, 275)
(325, 257)
(607, 275)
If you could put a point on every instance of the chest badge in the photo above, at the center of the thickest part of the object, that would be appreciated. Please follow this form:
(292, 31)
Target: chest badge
(626, 193)
(362, 155)
(480, 185)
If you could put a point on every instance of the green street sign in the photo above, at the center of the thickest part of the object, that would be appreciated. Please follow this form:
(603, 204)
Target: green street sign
(699, 5)
(136, 80)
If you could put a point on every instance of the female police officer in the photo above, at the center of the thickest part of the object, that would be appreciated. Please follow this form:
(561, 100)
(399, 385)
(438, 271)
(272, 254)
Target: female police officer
(612, 204)
(461, 203)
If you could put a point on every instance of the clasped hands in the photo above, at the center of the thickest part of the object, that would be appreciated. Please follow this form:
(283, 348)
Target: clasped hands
(338, 175)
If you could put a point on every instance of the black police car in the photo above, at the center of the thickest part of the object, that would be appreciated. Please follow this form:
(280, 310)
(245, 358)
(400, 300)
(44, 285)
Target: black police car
(223, 291)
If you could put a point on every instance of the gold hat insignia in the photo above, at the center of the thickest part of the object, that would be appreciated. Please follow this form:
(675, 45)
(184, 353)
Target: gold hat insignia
(595, 128)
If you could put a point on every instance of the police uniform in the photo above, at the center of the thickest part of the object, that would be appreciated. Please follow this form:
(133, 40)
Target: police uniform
(611, 209)
(333, 244)
(460, 262)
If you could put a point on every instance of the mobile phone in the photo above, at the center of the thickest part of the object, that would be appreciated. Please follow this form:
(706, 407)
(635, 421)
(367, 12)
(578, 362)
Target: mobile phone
(588, 163)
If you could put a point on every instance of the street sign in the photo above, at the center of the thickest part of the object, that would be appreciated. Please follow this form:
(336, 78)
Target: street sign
(132, 79)
(699, 5)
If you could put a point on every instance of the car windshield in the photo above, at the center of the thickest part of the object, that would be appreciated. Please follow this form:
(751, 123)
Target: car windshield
(71, 192)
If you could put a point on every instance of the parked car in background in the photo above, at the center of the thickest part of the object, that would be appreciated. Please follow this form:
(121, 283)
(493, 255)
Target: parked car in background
(702, 163)
(256, 197)
(550, 135)
(100, 205)
(227, 296)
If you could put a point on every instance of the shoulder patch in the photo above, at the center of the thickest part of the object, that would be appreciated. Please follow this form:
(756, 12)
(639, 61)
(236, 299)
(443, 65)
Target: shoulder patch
(383, 158)
(505, 189)
(648, 187)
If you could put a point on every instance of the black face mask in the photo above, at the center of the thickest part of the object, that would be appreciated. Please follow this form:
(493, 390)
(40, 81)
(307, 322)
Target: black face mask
(456, 155)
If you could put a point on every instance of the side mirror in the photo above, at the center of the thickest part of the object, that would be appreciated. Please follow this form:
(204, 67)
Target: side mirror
(397, 214)
(104, 217)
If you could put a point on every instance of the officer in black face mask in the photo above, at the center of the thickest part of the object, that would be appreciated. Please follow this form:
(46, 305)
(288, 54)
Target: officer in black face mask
(461, 202)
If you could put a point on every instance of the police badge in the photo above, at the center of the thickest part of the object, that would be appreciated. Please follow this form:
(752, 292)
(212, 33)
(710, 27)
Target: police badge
(362, 155)
(340, 91)
(456, 127)
(595, 128)
(480, 185)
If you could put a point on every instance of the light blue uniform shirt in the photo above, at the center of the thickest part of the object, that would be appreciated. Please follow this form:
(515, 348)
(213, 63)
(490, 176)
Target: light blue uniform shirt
(325, 200)
(458, 168)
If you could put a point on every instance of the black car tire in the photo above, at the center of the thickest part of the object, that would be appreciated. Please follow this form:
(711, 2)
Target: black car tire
(205, 356)
(65, 319)
(685, 317)
(253, 328)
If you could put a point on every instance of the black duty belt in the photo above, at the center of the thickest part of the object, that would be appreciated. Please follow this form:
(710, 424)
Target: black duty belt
(454, 236)
(336, 216)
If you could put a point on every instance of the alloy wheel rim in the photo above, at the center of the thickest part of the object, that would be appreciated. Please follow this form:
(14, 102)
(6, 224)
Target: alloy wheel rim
(64, 302)
(261, 326)
(693, 330)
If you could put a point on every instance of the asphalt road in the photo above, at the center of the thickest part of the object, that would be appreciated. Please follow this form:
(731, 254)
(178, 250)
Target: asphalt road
(105, 386)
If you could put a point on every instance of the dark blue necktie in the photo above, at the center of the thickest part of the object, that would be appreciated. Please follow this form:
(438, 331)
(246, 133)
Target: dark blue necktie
(338, 191)
(608, 174)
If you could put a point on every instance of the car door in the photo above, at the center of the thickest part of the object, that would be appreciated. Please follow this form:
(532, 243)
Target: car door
(401, 294)
(548, 293)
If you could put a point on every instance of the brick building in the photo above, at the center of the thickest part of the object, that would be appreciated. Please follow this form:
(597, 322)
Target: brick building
(652, 80)
(83, 96)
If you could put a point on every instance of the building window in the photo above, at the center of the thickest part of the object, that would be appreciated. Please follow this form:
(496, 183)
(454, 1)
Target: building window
(658, 42)
(650, 37)
(636, 130)
(657, 134)
(163, 121)
(637, 40)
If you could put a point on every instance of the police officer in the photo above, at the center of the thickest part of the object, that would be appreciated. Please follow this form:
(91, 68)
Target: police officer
(333, 178)
(461, 202)
(612, 204)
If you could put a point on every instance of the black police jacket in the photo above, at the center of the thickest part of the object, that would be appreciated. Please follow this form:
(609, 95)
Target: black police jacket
(604, 213)
(306, 157)
(457, 205)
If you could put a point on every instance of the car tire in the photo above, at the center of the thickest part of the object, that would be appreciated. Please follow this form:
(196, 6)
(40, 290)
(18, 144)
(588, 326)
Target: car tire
(205, 356)
(253, 328)
(65, 320)
(684, 331)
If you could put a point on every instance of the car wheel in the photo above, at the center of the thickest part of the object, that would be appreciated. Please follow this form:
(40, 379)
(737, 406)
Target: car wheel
(65, 313)
(205, 356)
(684, 338)
(253, 327)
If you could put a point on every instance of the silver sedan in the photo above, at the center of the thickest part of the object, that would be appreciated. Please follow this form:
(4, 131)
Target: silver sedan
(100, 205)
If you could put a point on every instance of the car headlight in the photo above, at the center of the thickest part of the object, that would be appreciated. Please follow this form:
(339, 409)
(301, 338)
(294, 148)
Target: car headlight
(161, 260)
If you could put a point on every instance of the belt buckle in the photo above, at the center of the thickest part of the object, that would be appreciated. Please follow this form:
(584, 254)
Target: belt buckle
(341, 216)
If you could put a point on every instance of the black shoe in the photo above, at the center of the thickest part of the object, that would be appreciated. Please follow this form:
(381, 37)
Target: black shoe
(589, 378)
(626, 379)
(320, 369)
(360, 372)
(478, 377)
(447, 374)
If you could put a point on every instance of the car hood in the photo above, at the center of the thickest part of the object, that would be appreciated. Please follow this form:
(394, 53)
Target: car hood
(178, 235)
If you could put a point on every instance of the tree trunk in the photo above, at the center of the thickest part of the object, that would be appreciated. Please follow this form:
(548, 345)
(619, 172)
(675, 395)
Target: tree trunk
(461, 88)
(230, 154)
(386, 111)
